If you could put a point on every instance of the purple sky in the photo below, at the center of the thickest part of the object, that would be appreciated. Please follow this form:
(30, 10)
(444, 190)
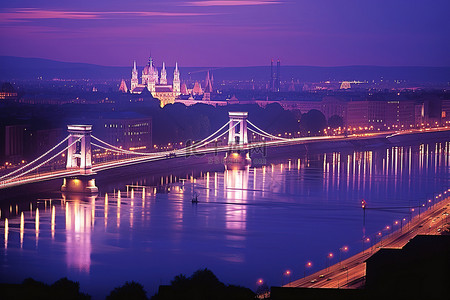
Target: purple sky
(230, 33)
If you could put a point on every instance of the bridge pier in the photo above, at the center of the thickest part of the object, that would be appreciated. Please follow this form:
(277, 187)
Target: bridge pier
(79, 185)
(237, 157)
(237, 160)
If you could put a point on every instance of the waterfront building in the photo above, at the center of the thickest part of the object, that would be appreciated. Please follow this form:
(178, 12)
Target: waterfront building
(155, 84)
(129, 131)
(8, 92)
(400, 114)
(14, 142)
(366, 115)
(446, 111)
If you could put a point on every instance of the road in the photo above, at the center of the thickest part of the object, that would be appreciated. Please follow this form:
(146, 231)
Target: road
(350, 273)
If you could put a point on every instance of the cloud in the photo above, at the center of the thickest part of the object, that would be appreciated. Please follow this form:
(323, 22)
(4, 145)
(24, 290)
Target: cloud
(230, 3)
(28, 14)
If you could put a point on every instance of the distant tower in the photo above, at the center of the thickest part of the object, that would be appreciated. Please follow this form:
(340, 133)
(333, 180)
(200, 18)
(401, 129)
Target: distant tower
(292, 86)
(277, 82)
(152, 79)
(155, 73)
(163, 79)
(134, 77)
(208, 84)
(123, 87)
(146, 72)
(272, 77)
(176, 81)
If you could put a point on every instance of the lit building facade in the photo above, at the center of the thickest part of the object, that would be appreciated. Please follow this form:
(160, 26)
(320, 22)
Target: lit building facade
(366, 114)
(156, 84)
(125, 132)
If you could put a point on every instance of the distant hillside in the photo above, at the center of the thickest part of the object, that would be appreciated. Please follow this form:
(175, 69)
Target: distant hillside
(18, 68)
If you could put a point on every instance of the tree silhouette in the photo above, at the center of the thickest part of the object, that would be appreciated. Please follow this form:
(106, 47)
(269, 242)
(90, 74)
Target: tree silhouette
(313, 122)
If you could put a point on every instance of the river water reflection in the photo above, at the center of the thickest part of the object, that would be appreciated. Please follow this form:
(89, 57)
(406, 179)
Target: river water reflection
(248, 224)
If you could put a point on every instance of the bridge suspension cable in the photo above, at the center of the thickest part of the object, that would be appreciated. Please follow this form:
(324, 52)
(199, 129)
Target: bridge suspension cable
(205, 139)
(206, 143)
(265, 133)
(32, 162)
(258, 133)
(57, 154)
(184, 150)
(120, 149)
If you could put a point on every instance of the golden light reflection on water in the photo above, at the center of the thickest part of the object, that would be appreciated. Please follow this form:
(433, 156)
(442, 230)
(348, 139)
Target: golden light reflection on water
(236, 194)
(6, 233)
(106, 210)
(79, 225)
(37, 225)
(22, 229)
(119, 200)
(53, 221)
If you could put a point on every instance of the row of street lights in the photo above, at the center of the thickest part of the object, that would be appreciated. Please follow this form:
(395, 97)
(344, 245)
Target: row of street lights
(366, 240)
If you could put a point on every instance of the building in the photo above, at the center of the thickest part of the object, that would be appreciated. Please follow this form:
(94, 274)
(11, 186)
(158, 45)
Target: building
(14, 143)
(419, 270)
(446, 111)
(8, 92)
(123, 87)
(128, 131)
(366, 115)
(155, 84)
(400, 114)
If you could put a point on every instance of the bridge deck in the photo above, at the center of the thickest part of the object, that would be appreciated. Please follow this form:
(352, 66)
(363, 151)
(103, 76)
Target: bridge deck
(165, 155)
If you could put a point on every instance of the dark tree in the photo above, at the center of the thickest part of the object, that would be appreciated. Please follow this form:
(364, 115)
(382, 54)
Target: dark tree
(335, 121)
(202, 285)
(36, 290)
(313, 122)
(130, 290)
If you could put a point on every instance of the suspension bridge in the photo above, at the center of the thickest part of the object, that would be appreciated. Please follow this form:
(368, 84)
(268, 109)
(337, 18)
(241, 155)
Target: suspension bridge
(72, 157)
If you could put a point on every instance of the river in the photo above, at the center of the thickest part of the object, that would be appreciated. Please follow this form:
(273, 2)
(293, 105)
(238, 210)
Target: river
(249, 224)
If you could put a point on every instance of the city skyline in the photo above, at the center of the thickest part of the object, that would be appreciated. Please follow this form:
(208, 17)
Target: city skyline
(230, 33)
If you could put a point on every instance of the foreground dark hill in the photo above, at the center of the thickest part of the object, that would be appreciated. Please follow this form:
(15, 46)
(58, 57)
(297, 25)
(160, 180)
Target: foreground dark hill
(19, 68)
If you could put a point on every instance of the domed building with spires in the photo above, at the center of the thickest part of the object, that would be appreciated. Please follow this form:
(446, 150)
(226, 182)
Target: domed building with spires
(156, 84)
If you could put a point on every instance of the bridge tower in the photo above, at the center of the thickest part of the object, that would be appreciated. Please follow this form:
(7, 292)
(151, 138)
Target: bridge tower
(79, 154)
(238, 135)
(237, 157)
(79, 158)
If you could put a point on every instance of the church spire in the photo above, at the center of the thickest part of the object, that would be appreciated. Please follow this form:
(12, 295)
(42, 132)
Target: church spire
(163, 79)
(134, 77)
(176, 81)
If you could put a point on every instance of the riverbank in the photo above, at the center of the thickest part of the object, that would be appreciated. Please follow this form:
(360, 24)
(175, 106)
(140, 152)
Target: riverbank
(350, 273)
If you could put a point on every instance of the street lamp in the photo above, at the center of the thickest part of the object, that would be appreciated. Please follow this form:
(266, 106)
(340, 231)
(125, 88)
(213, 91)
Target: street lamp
(365, 240)
(286, 273)
(345, 249)
(307, 265)
(363, 206)
(387, 229)
(380, 235)
(329, 257)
